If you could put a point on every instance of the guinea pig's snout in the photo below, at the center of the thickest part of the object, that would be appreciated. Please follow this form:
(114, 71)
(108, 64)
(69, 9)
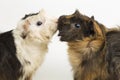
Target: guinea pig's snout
(61, 33)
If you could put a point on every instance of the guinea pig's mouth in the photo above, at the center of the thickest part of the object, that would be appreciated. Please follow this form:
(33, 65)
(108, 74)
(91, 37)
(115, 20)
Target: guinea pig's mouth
(60, 34)
(64, 38)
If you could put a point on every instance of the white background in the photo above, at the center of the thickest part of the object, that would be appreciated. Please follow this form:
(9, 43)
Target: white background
(56, 65)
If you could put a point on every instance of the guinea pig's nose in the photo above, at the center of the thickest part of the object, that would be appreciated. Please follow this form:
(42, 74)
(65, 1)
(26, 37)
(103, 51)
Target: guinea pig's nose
(61, 33)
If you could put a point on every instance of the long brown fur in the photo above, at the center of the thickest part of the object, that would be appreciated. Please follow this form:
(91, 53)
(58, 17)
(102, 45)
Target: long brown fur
(87, 50)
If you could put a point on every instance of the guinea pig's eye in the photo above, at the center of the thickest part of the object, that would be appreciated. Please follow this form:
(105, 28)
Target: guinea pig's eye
(77, 25)
(39, 23)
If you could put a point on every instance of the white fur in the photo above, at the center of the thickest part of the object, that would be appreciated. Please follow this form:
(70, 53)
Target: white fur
(32, 49)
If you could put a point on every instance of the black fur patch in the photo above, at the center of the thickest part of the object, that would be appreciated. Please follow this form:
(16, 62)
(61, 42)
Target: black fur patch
(28, 15)
(9, 64)
(68, 29)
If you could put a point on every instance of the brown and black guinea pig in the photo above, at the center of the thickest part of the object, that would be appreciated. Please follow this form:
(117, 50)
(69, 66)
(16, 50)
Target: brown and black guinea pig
(86, 46)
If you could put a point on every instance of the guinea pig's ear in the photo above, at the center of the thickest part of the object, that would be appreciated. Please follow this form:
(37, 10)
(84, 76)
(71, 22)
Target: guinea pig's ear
(76, 13)
(23, 28)
(91, 27)
(26, 28)
(42, 12)
(92, 17)
(42, 15)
